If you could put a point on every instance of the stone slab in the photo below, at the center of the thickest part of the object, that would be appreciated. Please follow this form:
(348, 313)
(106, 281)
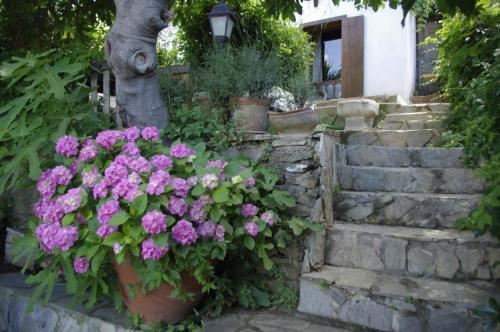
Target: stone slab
(410, 180)
(401, 138)
(445, 254)
(404, 209)
(400, 117)
(386, 302)
(387, 156)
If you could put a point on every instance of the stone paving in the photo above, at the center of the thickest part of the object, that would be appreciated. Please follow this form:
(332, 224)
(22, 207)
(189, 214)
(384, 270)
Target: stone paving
(58, 316)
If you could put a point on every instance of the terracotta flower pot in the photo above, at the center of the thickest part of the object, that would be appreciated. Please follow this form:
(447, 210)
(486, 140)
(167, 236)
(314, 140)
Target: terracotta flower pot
(299, 121)
(156, 305)
(250, 114)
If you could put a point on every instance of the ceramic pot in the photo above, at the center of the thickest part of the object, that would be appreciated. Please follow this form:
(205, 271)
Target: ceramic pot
(156, 305)
(250, 114)
(294, 122)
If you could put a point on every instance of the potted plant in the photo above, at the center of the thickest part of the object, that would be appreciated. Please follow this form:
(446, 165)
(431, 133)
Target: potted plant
(126, 217)
(302, 118)
(243, 77)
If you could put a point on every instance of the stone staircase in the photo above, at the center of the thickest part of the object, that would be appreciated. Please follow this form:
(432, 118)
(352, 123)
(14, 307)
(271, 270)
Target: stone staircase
(393, 261)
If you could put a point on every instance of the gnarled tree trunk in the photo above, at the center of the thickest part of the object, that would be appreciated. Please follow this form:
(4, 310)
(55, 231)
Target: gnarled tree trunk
(130, 49)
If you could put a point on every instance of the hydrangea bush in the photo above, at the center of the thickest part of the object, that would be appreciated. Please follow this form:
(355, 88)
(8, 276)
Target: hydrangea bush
(168, 211)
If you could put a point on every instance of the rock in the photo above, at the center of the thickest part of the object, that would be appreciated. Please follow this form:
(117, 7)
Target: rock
(367, 312)
(299, 168)
(456, 321)
(421, 261)
(291, 154)
(394, 254)
(469, 259)
(228, 322)
(281, 100)
(483, 273)
(419, 138)
(447, 263)
(349, 250)
(322, 301)
(494, 261)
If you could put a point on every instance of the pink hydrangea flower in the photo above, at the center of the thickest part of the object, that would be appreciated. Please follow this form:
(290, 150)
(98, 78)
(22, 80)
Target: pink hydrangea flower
(81, 265)
(191, 181)
(100, 190)
(206, 199)
(108, 138)
(184, 233)
(197, 211)
(41, 206)
(206, 229)
(180, 151)
(88, 151)
(131, 149)
(220, 164)
(268, 217)
(250, 182)
(107, 210)
(251, 228)
(67, 146)
(117, 248)
(140, 165)
(71, 201)
(46, 185)
(73, 168)
(248, 210)
(177, 206)
(151, 134)
(209, 181)
(154, 222)
(105, 230)
(134, 178)
(114, 174)
(122, 160)
(181, 187)
(53, 236)
(127, 190)
(219, 233)
(61, 175)
(80, 219)
(54, 212)
(132, 134)
(91, 178)
(157, 182)
(151, 251)
(161, 161)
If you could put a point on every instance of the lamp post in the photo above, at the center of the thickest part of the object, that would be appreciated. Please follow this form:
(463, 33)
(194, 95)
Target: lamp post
(221, 22)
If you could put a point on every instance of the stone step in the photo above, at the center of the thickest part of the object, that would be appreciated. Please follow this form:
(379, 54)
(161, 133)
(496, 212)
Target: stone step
(382, 99)
(401, 138)
(393, 108)
(387, 302)
(447, 254)
(410, 179)
(401, 117)
(383, 156)
(410, 124)
(404, 209)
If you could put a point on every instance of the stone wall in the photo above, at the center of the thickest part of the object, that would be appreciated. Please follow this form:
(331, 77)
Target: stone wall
(297, 160)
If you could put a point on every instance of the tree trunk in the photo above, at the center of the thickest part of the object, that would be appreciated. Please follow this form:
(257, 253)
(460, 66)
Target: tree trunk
(130, 49)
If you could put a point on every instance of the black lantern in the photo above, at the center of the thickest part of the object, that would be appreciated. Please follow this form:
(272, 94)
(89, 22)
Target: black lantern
(221, 22)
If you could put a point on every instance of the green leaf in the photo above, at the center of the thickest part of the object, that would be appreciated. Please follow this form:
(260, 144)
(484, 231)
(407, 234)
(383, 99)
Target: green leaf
(112, 238)
(161, 240)
(215, 213)
(71, 285)
(139, 205)
(119, 218)
(68, 219)
(249, 242)
(283, 198)
(221, 194)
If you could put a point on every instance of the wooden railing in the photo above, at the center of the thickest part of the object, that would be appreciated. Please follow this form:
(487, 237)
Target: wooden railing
(103, 96)
(330, 89)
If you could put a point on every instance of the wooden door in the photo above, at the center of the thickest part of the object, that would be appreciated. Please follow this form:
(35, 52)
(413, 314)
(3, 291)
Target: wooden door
(352, 56)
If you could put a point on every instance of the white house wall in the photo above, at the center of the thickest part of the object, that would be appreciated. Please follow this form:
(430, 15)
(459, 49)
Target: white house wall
(389, 51)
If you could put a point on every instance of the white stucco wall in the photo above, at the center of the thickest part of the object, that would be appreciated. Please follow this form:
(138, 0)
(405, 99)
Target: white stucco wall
(390, 49)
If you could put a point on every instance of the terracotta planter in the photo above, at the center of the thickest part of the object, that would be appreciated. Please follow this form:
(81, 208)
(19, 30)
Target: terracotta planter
(250, 114)
(156, 305)
(299, 121)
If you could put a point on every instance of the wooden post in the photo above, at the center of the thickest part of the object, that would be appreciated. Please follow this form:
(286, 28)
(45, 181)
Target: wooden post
(105, 90)
(93, 84)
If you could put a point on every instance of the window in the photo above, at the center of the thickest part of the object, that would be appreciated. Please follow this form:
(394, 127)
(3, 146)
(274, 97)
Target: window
(332, 55)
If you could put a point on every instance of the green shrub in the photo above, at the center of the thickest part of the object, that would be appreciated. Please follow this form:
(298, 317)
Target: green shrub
(44, 98)
(195, 125)
(244, 71)
(469, 72)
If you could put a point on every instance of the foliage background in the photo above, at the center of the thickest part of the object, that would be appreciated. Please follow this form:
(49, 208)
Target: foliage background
(469, 73)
